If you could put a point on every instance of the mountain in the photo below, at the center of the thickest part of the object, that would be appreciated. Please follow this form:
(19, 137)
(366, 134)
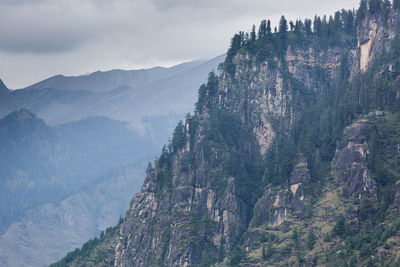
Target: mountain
(291, 158)
(58, 184)
(68, 144)
(135, 96)
(3, 88)
(109, 80)
(6, 100)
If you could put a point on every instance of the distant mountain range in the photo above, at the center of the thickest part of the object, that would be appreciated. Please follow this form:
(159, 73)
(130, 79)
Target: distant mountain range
(122, 95)
(73, 150)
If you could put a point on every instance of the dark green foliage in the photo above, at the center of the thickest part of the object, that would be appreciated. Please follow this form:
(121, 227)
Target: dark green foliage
(269, 28)
(85, 250)
(309, 211)
(279, 161)
(253, 34)
(374, 6)
(295, 237)
(283, 34)
(236, 256)
(365, 250)
(236, 44)
(149, 168)
(366, 209)
(178, 137)
(340, 226)
(353, 261)
(362, 11)
(263, 238)
(262, 30)
(383, 158)
(207, 92)
(267, 253)
(310, 240)
(307, 27)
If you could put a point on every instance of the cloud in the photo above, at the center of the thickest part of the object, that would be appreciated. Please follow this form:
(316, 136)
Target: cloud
(77, 36)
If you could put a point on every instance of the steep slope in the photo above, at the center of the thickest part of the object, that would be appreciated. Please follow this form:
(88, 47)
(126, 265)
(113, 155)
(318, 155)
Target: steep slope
(291, 157)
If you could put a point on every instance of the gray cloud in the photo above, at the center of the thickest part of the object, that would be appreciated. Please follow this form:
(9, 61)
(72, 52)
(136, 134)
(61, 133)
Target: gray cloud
(39, 38)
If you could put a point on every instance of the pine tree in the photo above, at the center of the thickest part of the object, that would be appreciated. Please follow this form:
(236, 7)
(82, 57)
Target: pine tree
(262, 31)
(149, 168)
(179, 137)
(375, 6)
(340, 226)
(269, 27)
(295, 237)
(310, 240)
(283, 28)
(253, 33)
(307, 27)
(362, 11)
(317, 25)
(283, 32)
(331, 31)
(291, 26)
(338, 25)
(349, 23)
(266, 254)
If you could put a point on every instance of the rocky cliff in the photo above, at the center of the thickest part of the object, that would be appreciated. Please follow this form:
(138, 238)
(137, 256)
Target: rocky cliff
(285, 161)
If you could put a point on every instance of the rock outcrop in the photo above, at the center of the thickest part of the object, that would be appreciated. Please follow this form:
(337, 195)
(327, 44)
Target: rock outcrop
(350, 162)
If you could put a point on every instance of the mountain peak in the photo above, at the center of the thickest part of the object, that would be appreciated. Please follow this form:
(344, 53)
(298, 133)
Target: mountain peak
(3, 87)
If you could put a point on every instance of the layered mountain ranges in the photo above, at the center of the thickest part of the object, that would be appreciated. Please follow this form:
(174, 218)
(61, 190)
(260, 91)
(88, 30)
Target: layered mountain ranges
(136, 96)
(73, 150)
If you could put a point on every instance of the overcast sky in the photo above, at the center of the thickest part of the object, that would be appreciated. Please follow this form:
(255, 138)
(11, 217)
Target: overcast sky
(41, 38)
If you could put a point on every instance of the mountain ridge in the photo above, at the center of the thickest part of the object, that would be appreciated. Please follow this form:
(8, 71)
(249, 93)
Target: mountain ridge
(99, 81)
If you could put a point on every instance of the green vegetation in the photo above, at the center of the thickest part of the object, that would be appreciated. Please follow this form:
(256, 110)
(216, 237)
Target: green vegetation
(87, 250)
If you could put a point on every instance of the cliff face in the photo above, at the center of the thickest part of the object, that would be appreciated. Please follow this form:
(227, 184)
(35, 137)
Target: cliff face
(208, 205)
(350, 162)
(214, 197)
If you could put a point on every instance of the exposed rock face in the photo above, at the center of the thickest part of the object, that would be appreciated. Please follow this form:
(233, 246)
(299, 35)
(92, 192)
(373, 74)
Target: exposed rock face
(176, 224)
(197, 217)
(208, 199)
(368, 34)
(372, 35)
(273, 208)
(350, 161)
(278, 203)
(299, 181)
